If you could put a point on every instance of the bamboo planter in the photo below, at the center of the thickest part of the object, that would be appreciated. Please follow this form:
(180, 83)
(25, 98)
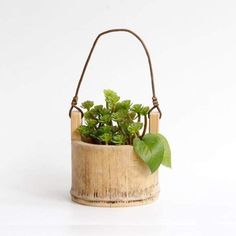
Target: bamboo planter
(111, 175)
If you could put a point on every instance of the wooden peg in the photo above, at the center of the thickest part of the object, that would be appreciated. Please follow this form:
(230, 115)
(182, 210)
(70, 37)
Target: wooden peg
(154, 123)
(75, 123)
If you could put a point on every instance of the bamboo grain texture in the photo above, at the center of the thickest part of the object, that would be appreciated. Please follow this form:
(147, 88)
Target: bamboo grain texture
(110, 176)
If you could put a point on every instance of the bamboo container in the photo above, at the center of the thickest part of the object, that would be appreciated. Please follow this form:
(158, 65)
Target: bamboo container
(110, 175)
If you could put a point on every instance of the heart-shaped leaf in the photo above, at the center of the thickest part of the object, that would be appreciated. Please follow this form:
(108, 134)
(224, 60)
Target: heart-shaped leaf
(150, 149)
(167, 153)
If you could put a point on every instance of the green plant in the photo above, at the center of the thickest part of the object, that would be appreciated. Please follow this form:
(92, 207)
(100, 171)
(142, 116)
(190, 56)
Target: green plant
(124, 123)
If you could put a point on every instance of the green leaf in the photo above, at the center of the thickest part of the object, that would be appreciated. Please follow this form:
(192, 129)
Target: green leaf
(90, 114)
(106, 138)
(150, 149)
(104, 129)
(84, 130)
(105, 119)
(120, 115)
(111, 98)
(126, 104)
(167, 152)
(144, 111)
(132, 115)
(98, 109)
(135, 127)
(118, 139)
(137, 108)
(91, 123)
(87, 105)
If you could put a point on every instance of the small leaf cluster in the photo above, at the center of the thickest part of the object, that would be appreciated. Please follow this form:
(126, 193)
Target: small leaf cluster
(120, 123)
(116, 123)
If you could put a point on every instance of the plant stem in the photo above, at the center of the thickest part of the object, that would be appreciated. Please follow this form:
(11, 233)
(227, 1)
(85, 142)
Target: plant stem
(139, 117)
(145, 126)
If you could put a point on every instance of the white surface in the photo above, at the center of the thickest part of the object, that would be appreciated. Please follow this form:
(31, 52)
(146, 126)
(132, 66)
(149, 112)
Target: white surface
(43, 46)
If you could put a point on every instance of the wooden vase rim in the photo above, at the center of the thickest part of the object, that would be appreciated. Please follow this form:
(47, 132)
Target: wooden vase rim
(99, 146)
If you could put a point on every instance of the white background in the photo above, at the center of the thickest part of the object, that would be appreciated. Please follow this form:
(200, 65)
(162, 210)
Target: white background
(43, 46)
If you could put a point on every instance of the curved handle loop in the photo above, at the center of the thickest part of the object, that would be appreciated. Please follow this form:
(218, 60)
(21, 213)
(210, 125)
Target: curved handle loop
(154, 98)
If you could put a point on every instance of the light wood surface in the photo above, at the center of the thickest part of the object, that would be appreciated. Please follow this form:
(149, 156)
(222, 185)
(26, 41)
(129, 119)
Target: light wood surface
(75, 123)
(111, 176)
(154, 123)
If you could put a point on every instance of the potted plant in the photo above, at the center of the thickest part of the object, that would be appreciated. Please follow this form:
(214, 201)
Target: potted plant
(115, 160)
